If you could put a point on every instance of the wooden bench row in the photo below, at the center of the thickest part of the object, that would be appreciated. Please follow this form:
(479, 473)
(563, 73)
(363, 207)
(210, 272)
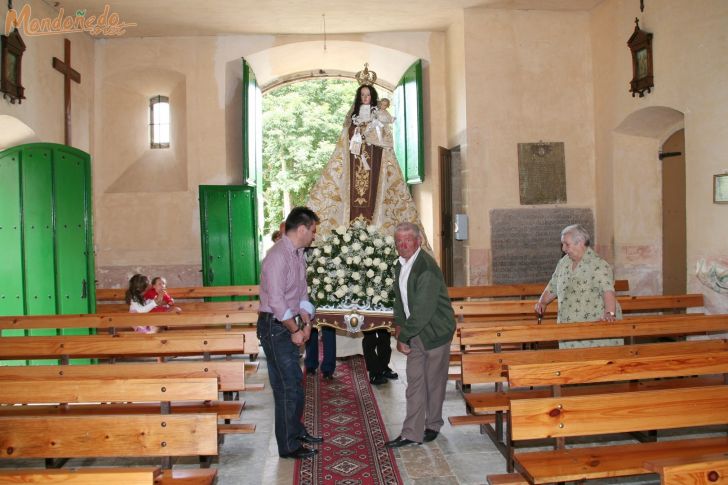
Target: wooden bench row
(99, 429)
(217, 315)
(487, 367)
(563, 415)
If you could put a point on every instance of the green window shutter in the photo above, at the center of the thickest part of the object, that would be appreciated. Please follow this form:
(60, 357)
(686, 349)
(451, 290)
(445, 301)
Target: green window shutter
(252, 127)
(408, 128)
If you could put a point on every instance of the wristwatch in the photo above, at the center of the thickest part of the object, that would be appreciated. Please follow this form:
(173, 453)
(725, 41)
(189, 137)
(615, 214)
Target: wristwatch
(611, 313)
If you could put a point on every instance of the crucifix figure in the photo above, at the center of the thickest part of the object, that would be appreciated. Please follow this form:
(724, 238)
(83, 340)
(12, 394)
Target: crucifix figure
(69, 74)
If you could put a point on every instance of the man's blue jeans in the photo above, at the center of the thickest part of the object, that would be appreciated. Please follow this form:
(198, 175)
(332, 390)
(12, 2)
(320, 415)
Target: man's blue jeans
(328, 339)
(286, 379)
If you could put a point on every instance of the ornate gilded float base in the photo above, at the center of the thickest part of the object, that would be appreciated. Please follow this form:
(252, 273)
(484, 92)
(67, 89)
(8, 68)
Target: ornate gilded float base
(354, 321)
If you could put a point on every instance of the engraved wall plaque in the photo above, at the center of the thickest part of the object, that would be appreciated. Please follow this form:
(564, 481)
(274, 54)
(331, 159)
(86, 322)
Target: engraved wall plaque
(526, 243)
(541, 173)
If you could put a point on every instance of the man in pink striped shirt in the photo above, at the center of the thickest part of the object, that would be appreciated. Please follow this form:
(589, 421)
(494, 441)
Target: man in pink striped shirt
(284, 324)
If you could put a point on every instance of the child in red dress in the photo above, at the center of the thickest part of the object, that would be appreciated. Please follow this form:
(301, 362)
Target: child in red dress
(158, 292)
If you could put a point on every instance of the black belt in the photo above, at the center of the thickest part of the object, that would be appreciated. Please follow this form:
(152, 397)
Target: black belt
(270, 318)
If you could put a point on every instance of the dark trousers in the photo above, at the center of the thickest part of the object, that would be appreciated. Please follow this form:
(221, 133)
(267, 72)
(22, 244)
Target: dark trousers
(286, 379)
(328, 340)
(377, 350)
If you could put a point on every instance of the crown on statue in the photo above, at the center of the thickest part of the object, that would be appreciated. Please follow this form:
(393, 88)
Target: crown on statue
(366, 77)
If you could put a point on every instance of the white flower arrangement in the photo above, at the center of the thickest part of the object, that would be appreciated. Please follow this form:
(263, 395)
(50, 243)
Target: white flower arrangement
(347, 268)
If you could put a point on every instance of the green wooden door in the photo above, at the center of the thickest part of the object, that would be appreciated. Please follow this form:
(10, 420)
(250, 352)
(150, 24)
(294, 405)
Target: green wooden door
(228, 222)
(408, 127)
(252, 127)
(45, 234)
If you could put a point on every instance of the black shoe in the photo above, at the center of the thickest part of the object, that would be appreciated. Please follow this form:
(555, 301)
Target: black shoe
(430, 435)
(390, 374)
(399, 442)
(308, 438)
(301, 452)
(328, 376)
(311, 371)
(377, 380)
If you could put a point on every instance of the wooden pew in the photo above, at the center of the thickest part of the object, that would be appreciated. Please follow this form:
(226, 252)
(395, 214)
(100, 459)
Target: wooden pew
(96, 435)
(82, 476)
(206, 322)
(480, 310)
(596, 415)
(230, 374)
(708, 469)
(118, 294)
(625, 375)
(511, 291)
(122, 345)
(111, 300)
(487, 367)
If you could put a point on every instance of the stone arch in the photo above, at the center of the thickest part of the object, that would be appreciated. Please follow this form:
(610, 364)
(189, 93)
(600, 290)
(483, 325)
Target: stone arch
(14, 132)
(298, 60)
(637, 195)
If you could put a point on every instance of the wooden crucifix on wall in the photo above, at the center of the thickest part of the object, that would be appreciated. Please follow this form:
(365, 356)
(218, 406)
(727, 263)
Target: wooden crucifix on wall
(69, 74)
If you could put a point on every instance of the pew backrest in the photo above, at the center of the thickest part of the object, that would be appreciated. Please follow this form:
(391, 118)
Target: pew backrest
(514, 291)
(634, 327)
(230, 374)
(74, 391)
(617, 369)
(588, 415)
(122, 345)
(488, 367)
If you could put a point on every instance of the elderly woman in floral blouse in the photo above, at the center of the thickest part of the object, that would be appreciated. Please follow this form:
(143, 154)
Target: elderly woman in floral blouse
(584, 284)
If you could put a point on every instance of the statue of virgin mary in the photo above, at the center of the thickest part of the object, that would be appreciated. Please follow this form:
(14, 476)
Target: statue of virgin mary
(362, 180)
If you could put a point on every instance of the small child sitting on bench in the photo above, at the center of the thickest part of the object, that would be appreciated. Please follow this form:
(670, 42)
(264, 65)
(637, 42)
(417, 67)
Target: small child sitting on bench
(157, 290)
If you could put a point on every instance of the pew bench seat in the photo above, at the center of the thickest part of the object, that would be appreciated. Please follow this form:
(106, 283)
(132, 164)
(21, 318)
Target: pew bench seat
(187, 476)
(609, 461)
(82, 476)
(692, 469)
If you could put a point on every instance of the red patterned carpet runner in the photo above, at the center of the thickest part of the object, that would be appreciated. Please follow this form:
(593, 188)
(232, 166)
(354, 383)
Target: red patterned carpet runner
(344, 411)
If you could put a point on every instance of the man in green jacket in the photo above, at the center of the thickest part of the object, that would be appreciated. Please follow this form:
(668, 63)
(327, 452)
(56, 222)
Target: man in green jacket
(424, 327)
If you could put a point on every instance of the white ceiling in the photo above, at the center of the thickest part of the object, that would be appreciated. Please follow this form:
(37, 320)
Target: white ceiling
(210, 17)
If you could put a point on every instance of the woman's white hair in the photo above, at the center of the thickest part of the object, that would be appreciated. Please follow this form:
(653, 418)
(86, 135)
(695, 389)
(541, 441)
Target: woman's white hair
(577, 233)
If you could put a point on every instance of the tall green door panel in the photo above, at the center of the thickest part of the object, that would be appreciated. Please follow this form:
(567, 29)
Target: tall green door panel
(252, 127)
(11, 257)
(228, 221)
(11, 241)
(244, 236)
(45, 234)
(38, 250)
(409, 127)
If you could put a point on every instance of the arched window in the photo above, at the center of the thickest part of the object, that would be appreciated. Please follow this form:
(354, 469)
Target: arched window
(159, 122)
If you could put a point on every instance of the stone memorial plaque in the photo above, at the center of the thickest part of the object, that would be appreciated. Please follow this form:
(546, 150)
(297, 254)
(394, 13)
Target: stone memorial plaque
(526, 243)
(541, 173)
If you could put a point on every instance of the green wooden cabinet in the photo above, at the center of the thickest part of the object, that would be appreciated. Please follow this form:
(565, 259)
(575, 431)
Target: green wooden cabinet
(46, 241)
(228, 220)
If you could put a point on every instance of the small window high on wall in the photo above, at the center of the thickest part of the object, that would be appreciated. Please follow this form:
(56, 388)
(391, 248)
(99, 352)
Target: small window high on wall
(159, 122)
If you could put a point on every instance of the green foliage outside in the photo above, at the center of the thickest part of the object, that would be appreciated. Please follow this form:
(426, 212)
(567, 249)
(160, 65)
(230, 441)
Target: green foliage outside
(301, 124)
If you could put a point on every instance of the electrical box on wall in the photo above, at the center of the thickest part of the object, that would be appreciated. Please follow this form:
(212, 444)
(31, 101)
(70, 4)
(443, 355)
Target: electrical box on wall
(461, 227)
